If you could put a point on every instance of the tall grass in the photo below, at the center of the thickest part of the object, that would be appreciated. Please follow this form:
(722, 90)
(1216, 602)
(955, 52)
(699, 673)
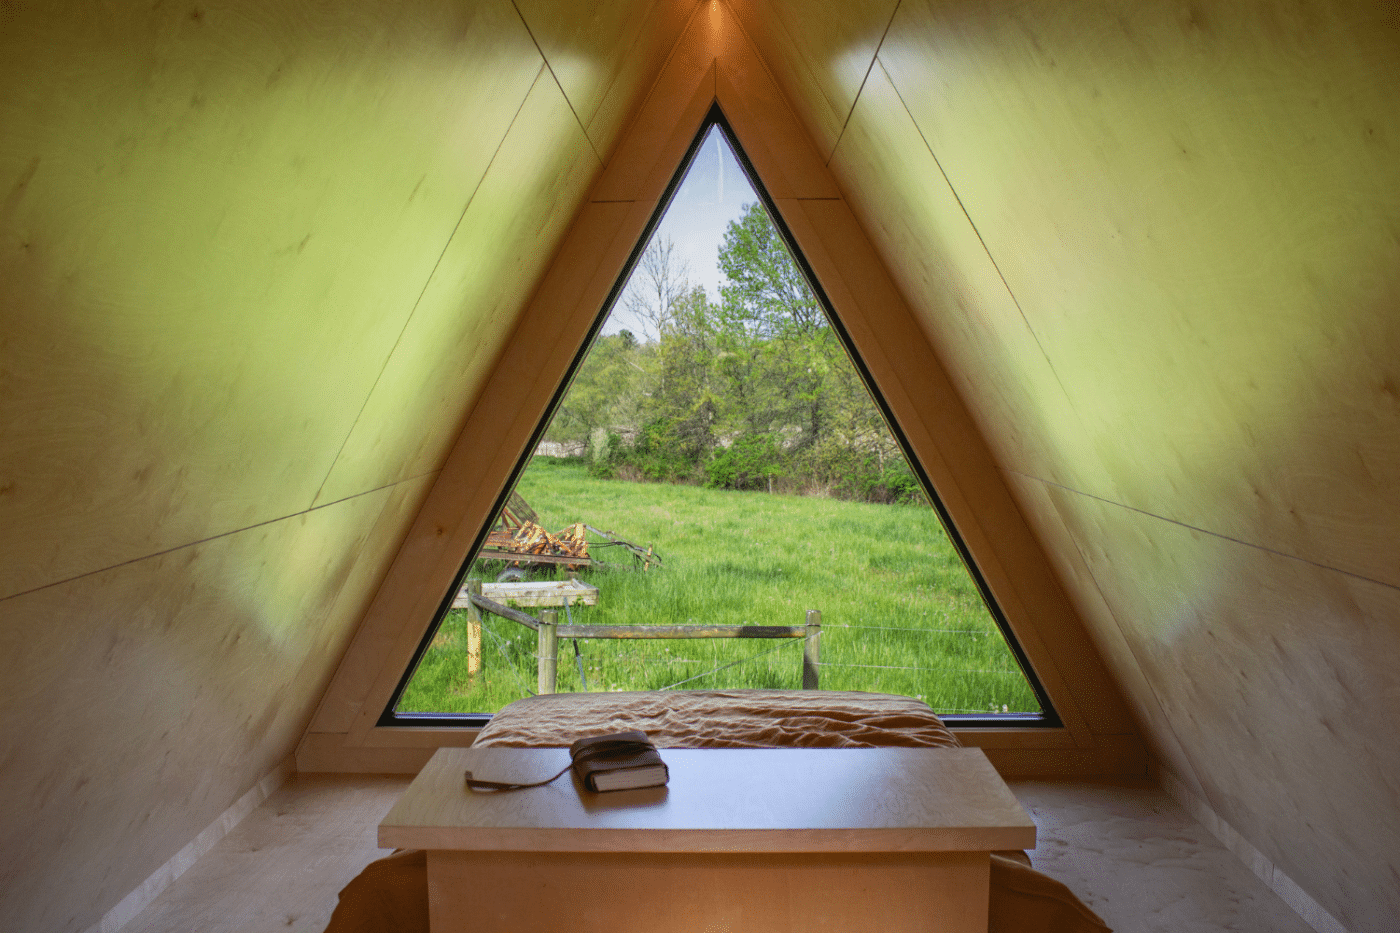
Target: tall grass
(899, 612)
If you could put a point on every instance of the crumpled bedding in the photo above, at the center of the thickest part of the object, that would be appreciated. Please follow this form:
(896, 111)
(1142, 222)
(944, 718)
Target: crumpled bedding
(722, 719)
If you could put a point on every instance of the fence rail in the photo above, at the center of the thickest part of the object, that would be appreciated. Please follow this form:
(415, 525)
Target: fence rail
(549, 631)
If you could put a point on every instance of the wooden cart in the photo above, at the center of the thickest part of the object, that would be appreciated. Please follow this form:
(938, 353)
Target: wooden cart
(523, 544)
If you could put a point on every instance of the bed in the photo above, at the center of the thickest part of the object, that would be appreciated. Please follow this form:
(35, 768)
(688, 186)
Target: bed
(390, 896)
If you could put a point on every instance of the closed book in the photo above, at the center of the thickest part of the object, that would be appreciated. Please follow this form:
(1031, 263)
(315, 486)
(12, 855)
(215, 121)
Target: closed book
(618, 761)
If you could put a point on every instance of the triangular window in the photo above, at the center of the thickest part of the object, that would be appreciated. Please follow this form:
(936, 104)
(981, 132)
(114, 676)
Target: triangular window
(718, 463)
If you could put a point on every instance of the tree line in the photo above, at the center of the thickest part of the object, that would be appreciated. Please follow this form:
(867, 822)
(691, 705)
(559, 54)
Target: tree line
(753, 391)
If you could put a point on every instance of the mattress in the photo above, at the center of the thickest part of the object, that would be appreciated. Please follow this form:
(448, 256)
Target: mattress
(722, 719)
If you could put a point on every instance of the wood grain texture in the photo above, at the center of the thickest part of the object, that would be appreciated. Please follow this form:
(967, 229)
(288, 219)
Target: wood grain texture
(605, 56)
(565, 304)
(586, 46)
(1275, 677)
(1093, 836)
(719, 800)
(770, 133)
(328, 753)
(905, 830)
(743, 893)
(534, 593)
(280, 868)
(216, 220)
(160, 880)
(142, 701)
(1196, 207)
(1142, 863)
(934, 253)
(820, 53)
(1308, 910)
(664, 125)
(486, 274)
(1108, 635)
(1111, 757)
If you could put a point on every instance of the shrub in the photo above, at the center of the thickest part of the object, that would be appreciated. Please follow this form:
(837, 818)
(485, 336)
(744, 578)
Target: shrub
(748, 463)
(655, 454)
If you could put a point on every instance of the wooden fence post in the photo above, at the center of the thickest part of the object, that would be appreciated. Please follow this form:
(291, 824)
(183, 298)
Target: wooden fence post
(811, 650)
(473, 632)
(548, 650)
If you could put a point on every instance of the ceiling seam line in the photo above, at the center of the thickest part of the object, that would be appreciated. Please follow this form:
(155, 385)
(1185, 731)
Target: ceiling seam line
(428, 280)
(1206, 531)
(222, 534)
(612, 83)
(1141, 733)
(861, 90)
(582, 129)
(990, 258)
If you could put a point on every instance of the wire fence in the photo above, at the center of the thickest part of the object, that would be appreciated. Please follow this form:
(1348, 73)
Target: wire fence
(637, 660)
(921, 631)
(931, 670)
(778, 647)
(500, 646)
(608, 668)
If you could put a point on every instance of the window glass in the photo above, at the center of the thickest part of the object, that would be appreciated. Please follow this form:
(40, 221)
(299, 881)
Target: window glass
(718, 461)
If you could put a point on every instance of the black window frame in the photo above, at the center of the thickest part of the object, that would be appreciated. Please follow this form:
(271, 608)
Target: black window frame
(715, 118)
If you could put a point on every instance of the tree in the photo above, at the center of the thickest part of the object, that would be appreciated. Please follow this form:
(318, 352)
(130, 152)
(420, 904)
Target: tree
(658, 281)
(605, 394)
(734, 394)
(686, 393)
(765, 287)
(782, 348)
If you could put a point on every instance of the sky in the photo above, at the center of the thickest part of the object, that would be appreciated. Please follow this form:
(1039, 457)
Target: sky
(712, 194)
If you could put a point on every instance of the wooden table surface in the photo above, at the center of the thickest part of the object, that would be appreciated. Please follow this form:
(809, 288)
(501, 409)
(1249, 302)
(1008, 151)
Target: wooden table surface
(719, 800)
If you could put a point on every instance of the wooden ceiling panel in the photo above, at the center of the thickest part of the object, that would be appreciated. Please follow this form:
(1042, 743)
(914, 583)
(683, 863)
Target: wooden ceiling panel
(771, 135)
(934, 253)
(605, 56)
(1267, 669)
(656, 138)
(586, 44)
(140, 701)
(501, 247)
(821, 53)
(1196, 210)
(214, 228)
(1039, 507)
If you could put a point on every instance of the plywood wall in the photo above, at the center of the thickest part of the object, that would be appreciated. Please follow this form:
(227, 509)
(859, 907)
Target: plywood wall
(254, 260)
(1158, 247)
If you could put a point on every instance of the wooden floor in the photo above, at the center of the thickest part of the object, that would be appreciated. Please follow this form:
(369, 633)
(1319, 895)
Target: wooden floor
(1126, 848)
(281, 868)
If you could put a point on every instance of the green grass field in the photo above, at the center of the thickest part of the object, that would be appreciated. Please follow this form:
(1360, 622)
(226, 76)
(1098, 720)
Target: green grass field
(899, 612)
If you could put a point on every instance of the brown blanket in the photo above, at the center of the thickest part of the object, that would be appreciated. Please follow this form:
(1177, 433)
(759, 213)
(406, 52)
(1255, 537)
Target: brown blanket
(722, 719)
